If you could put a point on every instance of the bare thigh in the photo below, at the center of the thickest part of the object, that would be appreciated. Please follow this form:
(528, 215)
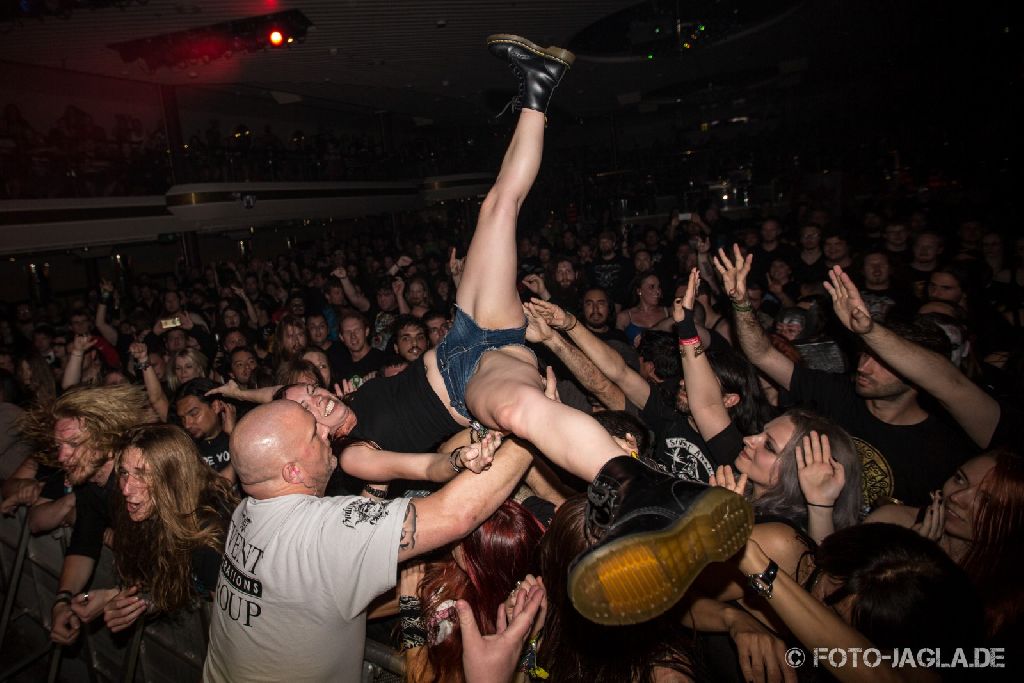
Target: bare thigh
(500, 373)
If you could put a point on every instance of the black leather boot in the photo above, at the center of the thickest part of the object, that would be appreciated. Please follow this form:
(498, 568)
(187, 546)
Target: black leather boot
(656, 535)
(538, 69)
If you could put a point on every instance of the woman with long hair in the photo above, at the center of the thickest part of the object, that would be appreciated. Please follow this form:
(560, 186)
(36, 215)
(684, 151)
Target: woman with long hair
(646, 311)
(482, 570)
(170, 516)
(802, 469)
(35, 379)
(977, 518)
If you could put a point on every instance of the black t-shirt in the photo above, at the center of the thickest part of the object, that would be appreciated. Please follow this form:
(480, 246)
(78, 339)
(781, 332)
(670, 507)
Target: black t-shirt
(904, 462)
(343, 367)
(92, 517)
(214, 452)
(888, 304)
(613, 276)
(679, 449)
(402, 413)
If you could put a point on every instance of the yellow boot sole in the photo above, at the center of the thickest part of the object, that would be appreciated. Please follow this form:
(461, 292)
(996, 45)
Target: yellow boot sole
(637, 578)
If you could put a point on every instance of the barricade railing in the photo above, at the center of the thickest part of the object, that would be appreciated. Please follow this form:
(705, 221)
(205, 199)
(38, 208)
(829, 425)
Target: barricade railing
(168, 649)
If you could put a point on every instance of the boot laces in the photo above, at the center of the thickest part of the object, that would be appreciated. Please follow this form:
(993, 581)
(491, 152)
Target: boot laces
(602, 501)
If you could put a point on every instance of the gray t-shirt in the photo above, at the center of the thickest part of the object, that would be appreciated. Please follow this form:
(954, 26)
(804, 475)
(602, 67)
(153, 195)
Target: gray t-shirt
(297, 576)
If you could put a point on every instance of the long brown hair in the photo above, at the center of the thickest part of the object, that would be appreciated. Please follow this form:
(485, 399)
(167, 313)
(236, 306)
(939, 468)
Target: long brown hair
(574, 649)
(996, 554)
(191, 509)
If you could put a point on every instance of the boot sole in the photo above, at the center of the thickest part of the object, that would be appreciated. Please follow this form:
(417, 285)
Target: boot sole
(559, 54)
(637, 578)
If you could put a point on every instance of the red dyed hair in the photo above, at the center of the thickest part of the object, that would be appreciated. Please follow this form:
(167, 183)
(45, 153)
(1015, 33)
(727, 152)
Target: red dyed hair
(500, 552)
(996, 554)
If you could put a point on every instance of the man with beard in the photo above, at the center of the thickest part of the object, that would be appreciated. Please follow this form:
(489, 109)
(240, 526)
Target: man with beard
(598, 311)
(906, 451)
(409, 339)
(610, 270)
(565, 293)
(82, 428)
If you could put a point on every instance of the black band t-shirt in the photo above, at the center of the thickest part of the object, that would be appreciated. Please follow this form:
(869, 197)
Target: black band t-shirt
(214, 452)
(904, 462)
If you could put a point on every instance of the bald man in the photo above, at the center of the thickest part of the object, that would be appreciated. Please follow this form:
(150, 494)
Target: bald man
(300, 569)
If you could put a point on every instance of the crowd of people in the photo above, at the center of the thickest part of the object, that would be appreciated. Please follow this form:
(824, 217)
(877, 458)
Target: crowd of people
(652, 453)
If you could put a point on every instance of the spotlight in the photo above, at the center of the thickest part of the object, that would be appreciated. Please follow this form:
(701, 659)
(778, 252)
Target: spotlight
(276, 38)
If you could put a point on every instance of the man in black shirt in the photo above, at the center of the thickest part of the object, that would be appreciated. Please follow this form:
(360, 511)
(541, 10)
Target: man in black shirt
(597, 315)
(82, 428)
(906, 452)
(610, 270)
(209, 421)
(355, 357)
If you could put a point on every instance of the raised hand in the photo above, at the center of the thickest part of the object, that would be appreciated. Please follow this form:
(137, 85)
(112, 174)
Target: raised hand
(81, 344)
(478, 456)
(229, 389)
(821, 477)
(537, 329)
(186, 321)
(551, 386)
(681, 305)
(934, 523)
(847, 302)
(139, 351)
(734, 273)
(535, 283)
(398, 286)
(404, 261)
(455, 266)
(340, 273)
(554, 315)
(106, 286)
(493, 658)
(724, 478)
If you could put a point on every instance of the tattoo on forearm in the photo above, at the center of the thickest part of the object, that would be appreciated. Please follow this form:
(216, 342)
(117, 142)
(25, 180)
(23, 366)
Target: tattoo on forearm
(408, 540)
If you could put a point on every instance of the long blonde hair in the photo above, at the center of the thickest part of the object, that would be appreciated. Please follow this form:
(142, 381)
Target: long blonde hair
(192, 505)
(197, 357)
(106, 413)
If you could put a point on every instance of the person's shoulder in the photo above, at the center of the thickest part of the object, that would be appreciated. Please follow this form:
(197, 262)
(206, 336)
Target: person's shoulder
(902, 515)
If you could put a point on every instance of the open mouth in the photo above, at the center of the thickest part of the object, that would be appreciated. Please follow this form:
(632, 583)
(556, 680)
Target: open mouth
(329, 408)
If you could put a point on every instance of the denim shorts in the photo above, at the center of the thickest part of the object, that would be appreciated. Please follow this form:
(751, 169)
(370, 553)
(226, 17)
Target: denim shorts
(459, 353)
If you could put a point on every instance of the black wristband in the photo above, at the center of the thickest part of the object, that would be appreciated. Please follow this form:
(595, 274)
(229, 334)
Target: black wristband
(687, 329)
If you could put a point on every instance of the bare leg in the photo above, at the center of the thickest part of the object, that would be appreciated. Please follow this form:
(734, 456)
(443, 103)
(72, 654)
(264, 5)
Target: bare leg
(488, 289)
(507, 393)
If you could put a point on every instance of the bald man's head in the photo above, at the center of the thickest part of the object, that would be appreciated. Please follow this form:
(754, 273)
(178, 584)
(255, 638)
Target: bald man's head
(265, 438)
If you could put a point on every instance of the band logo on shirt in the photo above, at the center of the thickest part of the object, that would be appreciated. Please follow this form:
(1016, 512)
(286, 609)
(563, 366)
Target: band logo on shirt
(238, 591)
(876, 478)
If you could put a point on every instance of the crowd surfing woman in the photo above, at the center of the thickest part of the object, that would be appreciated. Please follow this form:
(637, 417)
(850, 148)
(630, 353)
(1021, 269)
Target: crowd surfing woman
(171, 513)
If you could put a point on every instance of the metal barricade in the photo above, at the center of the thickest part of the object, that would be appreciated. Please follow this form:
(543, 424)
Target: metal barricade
(169, 649)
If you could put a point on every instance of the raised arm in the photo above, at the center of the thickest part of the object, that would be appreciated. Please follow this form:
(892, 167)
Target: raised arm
(814, 624)
(975, 411)
(582, 368)
(231, 390)
(73, 370)
(633, 386)
(354, 296)
(463, 503)
(102, 326)
(703, 392)
(157, 398)
(747, 330)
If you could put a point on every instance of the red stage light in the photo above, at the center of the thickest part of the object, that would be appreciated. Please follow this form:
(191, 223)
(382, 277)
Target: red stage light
(276, 38)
